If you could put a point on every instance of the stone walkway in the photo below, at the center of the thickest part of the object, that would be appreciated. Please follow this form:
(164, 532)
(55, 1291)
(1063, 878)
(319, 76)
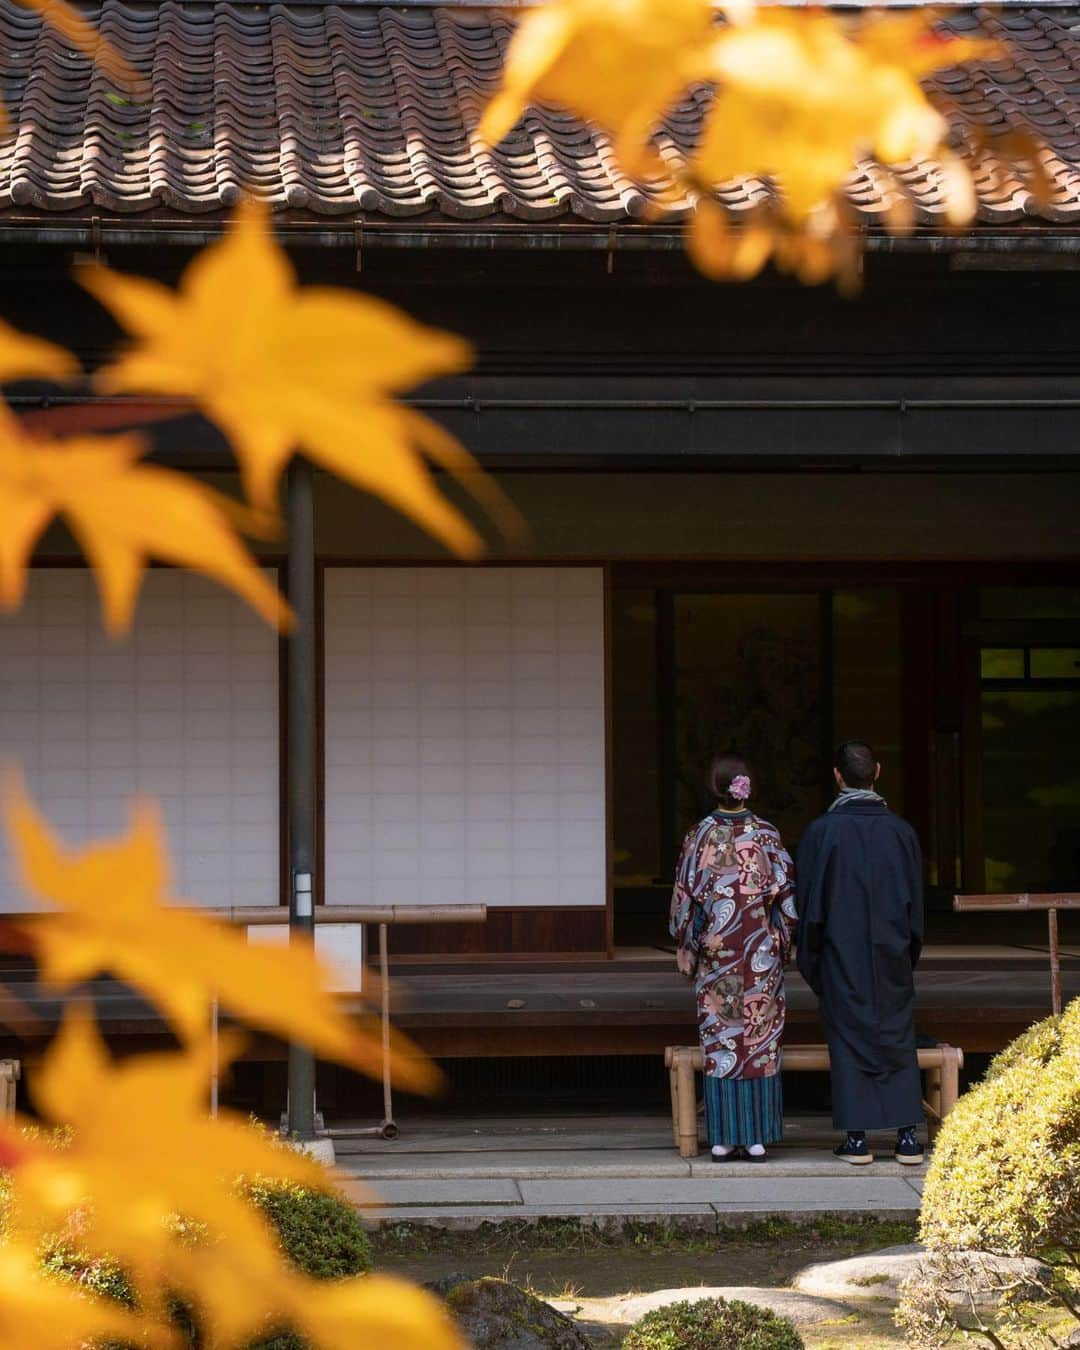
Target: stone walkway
(462, 1174)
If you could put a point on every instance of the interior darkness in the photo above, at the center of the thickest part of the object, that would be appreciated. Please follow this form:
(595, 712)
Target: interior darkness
(782, 672)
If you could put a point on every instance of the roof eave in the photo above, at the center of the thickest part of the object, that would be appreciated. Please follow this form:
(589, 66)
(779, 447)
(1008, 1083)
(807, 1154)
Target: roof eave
(96, 233)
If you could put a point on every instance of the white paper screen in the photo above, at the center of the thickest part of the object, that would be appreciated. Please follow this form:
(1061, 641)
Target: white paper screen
(465, 728)
(184, 709)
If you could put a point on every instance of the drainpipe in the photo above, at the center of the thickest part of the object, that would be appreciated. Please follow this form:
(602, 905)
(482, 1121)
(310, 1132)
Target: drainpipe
(301, 775)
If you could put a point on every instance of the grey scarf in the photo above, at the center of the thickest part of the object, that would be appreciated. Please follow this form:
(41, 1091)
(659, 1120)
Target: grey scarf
(856, 795)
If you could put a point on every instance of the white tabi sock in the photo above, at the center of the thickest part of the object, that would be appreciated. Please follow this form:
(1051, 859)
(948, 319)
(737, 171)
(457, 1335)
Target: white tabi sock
(756, 1150)
(722, 1150)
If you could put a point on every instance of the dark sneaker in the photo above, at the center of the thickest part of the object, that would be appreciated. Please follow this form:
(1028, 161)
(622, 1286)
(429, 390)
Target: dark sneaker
(853, 1150)
(908, 1149)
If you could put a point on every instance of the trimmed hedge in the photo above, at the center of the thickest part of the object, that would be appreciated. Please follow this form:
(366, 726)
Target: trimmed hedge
(1005, 1173)
(1038, 1045)
(321, 1235)
(319, 1231)
(1005, 1179)
(713, 1324)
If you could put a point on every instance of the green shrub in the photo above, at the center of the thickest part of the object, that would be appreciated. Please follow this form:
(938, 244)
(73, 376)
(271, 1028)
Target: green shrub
(97, 1277)
(713, 1324)
(319, 1231)
(1039, 1044)
(321, 1235)
(1005, 1178)
(1005, 1173)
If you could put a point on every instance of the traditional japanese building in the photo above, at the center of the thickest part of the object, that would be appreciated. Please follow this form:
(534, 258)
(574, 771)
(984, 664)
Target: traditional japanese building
(760, 515)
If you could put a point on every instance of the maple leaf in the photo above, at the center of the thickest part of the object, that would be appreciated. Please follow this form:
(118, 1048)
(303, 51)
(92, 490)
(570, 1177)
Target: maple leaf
(143, 1150)
(48, 1314)
(23, 357)
(84, 36)
(801, 97)
(122, 512)
(282, 367)
(80, 33)
(618, 63)
(115, 915)
(372, 1310)
(246, 1292)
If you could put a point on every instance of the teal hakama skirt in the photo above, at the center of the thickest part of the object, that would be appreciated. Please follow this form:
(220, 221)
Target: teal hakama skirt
(744, 1110)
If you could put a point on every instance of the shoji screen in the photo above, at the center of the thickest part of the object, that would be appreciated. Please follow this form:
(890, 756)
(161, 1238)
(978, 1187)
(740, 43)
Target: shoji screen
(465, 733)
(185, 709)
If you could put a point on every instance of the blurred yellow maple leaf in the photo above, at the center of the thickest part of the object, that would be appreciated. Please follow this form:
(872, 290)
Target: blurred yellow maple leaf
(243, 1293)
(376, 1310)
(122, 512)
(801, 96)
(23, 357)
(51, 1315)
(618, 63)
(115, 916)
(143, 1150)
(80, 33)
(282, 367)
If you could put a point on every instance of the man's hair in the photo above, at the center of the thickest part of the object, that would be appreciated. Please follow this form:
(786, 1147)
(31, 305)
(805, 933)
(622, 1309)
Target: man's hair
(856, 764)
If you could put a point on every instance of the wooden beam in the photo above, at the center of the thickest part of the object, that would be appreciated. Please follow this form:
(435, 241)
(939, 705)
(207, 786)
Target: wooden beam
(1050, 904)
(986, 903)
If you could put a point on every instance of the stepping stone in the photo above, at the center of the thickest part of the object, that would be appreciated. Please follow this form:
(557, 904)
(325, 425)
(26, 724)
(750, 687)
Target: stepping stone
(881, 1274)
(803, 1309)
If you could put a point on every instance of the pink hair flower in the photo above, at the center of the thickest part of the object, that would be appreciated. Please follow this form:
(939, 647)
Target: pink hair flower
(740, 787)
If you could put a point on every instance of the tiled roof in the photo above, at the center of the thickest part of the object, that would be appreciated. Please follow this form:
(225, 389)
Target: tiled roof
(364, 112)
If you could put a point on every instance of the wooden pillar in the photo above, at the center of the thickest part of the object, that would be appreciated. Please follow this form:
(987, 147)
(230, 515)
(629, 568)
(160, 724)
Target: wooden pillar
(301, 764)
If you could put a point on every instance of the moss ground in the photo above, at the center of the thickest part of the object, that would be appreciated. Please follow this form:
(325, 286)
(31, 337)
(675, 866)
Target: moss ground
(563, 1260)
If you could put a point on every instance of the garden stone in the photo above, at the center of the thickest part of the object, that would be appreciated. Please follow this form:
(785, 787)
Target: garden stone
(496, 1315)
(802, 1309)
(882, 1274)
(442, 1286)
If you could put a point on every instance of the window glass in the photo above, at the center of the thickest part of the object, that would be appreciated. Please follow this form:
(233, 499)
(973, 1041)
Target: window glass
(748, 676)
(1002, 663)
(1031, 789)
(867, 677)
(1055, 663)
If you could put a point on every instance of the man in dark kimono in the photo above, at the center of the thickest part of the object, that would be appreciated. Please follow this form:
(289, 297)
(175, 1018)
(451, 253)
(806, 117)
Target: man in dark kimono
(859, 878)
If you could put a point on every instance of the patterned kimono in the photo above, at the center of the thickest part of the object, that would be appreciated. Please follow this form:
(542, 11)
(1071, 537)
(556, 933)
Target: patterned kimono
(733, 917)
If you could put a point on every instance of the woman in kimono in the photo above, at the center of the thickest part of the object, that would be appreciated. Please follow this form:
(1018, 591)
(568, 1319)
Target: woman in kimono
(733, 918)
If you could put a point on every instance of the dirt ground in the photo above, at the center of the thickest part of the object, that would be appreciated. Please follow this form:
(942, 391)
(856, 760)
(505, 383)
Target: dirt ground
(563, 1261)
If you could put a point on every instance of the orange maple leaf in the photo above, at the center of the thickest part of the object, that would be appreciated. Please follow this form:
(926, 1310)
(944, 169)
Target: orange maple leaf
(802, 96)
(247, 1292)
(114, 916)
(618, 63)
(142, 1151)
(372, 1310)
(282, 367)
(23, 357)
(80, 33)
(122, 512)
